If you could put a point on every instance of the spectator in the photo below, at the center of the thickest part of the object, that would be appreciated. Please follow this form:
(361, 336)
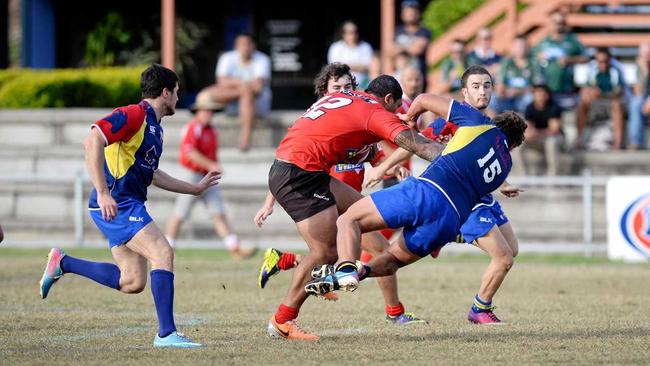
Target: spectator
(483, 54)
(639, 106)
(411, 37)
(198, 155)
(604, 83)
(401, 61)
(556, 54)
(452, 69)
(516, 76)
(544, 132)
(243, 84)
(352, 51)
(412, 82)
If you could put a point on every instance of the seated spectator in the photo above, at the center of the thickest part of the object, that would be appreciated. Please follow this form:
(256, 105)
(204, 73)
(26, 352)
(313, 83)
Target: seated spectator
(544, 132)
(483, 54)
(516, 76)
(556, 54)
(452, 69)
(639, 105)
(411, 37)
(243, 85)
(604, 83)
(353, 52)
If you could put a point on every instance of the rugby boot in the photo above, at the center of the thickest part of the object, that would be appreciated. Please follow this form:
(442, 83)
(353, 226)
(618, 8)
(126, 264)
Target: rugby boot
(175, 340)
(52, 271)
(405, 318)
(269, 266)
(483, 317)
(289, 330)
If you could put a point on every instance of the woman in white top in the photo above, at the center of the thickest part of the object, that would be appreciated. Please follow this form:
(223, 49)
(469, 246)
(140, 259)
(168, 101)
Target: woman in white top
(352, 51)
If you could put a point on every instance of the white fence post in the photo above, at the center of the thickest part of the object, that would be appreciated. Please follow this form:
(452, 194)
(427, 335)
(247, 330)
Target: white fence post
(587, 212)
(79, 209)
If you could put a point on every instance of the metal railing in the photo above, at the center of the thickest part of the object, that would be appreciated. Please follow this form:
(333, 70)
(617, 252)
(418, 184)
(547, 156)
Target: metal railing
(586, 181)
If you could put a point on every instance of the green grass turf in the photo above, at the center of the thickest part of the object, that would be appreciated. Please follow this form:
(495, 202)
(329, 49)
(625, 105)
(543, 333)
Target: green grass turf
(559, 309)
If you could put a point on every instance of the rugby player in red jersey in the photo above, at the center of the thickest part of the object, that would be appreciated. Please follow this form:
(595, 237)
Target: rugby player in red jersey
(333, 78)
(338, 128)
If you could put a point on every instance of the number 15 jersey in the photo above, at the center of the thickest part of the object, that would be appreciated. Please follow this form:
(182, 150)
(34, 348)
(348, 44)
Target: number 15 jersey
(475, 162)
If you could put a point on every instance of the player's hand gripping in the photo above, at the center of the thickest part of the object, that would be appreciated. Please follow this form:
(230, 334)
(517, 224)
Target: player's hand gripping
(399, 172)
(209, 180)
(108, 206)
(374, 176)
(509, 190)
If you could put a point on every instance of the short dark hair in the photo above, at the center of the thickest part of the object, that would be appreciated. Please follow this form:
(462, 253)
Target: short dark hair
(335, 70)
(513, 126)
(156, 78)
(604, 50)
(474, 70)
(383, 85)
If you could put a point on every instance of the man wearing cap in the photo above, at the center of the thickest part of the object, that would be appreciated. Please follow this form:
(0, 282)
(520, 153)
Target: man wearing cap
(198, 154)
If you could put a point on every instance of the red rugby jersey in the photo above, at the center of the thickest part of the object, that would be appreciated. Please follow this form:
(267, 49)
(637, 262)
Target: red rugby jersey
(338, 129)
(200, 137)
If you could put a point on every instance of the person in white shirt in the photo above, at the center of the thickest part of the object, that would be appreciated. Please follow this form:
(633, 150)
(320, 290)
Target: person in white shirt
(350, 50)
(243, 85)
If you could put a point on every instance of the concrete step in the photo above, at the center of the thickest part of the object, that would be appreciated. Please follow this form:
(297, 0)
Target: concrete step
(69, 127)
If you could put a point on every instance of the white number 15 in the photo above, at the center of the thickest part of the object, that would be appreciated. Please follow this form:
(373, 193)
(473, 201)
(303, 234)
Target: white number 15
(492, 170)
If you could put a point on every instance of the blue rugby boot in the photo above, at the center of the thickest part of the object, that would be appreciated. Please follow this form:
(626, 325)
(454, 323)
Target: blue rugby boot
(175, 340)
(52, 271)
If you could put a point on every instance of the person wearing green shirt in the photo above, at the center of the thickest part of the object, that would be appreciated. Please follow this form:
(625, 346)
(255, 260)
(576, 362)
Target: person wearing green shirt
(453, 68)
(604, 82)
(516, 75)
(556, 55)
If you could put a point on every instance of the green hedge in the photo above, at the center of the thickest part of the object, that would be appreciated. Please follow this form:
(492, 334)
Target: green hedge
(102, 87)
(440, 15)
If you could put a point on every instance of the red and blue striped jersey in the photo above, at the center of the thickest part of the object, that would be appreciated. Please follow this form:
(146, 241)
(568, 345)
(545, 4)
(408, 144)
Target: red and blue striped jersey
(134, 140)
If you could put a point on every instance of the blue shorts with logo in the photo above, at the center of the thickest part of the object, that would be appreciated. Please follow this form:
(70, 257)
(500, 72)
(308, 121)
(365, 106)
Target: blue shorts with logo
(483, 217)
(131, 217)
(428, 219)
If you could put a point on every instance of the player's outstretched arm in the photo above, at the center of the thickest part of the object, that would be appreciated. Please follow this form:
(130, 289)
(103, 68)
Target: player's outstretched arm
(418, 144)
(429, 102)
(167, 182)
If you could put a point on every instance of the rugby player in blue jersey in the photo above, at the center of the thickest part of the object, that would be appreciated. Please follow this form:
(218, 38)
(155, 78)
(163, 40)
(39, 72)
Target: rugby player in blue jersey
(432, 207)
(487, 226)
(122, 154)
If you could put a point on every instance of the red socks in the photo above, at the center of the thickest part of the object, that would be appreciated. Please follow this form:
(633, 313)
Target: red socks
(394, 310)
(387, 233)
(285, 313)
(287, 261)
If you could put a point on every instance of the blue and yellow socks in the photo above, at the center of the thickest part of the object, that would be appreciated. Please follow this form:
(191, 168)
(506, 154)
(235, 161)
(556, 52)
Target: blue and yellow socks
(480, 305)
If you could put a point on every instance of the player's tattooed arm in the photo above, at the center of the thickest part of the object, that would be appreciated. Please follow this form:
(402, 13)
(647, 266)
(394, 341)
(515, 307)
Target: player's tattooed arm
(419, 145)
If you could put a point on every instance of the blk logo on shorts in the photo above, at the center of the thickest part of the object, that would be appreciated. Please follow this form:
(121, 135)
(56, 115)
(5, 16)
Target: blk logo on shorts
(635, 225)
(136, 218)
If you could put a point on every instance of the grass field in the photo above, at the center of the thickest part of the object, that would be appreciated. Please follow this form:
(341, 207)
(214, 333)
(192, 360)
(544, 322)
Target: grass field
(560, 310)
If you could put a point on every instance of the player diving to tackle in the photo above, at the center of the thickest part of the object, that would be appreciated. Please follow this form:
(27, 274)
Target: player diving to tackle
(431, 207)
(487, 226)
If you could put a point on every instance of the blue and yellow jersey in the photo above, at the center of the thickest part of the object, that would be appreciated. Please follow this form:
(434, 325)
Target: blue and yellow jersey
(134, 141)
(475, 162)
